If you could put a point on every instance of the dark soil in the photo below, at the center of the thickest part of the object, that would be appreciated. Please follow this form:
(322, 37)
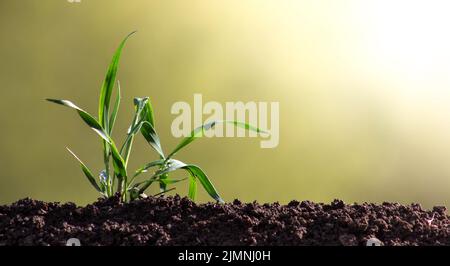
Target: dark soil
(179, 221)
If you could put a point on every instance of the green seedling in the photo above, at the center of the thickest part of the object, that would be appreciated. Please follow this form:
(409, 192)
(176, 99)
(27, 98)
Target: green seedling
(114, 178)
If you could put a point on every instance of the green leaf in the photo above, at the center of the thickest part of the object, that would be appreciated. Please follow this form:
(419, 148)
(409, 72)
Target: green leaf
(87, 118)
(87, 172)
(195, 172)
(147, 166)
(108, 85)
(147, 113)
(135, 126)
(144, 169)
(118, 161)
(198, 173)
(169, 181)
(192, 187)
(112, 119)
(199, 131)
(152, 138)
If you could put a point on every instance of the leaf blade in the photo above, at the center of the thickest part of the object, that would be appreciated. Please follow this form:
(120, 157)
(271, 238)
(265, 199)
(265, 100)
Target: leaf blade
(197, 173)
(152, 137)
(192, 193)
(198, 132)
(86, 172)
(85, 116)
(108, 84)
(148, 114)
(112, 119)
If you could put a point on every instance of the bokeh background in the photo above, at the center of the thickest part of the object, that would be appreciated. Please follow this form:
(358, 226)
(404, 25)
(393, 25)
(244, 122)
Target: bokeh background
(363, 86)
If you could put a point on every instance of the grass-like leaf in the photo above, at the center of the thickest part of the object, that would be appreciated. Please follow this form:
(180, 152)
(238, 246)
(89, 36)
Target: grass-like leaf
(147, 166)
(108, 85)
(198, 173)
(199, 131)
(118, 161)
(195, 173)
(136, 124)
(152, 138)
(87, 118)
(147, 113)
(112, 119)
(86, 172)
(169, 181)
(192, 193)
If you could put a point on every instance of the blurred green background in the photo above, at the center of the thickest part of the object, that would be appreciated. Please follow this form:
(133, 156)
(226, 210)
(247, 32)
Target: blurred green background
(363, 86)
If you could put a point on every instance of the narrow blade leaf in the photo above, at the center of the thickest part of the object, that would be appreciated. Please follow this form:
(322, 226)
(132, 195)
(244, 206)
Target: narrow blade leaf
(86, 172)
(135, 126)
(112, 119)
(169, 181)
(199, 131)
(118, 162)
(147, 166)
(152, 138)
(87, 118)
(108, 85)
(192, 194)
(195, 172)
(147, 113)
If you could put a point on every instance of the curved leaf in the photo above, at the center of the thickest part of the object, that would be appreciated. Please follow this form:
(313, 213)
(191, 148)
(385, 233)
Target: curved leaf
(195, 173)
(192, 194)
(108, 85)
(198, 132)
(87, 172)
(147, 166)
(168, 181)
(151, 136)
(87, 118)
(118, 161)
(135, 126)
(147, 113)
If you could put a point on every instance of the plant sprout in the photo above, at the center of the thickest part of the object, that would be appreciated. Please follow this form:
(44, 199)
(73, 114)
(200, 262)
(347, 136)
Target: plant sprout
(116, 180)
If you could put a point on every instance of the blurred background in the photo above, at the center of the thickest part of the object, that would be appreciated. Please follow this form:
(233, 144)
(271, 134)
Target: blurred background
(363, 86)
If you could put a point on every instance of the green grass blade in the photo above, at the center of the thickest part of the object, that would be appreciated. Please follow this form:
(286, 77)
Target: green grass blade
(192, 194)
(118, 162)
(197, 173)
(86, 172)
(135, 126)
(147, 113)
(169, 181)
(144, 169)
(199, 131)
(152, 138)
(245, 126)
(108, 85)
(148, 166)
(87, 118)
(112, 119)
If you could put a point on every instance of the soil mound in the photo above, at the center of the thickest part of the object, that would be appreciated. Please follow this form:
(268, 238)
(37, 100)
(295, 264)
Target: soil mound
(179, 221)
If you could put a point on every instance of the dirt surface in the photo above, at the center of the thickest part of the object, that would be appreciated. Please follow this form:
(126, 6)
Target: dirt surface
(179, 221)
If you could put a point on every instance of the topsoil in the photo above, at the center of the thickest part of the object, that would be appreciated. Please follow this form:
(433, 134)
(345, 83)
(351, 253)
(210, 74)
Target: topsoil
(179, 221)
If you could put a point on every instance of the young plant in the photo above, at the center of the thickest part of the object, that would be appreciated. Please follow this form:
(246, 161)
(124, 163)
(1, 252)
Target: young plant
(114, 178)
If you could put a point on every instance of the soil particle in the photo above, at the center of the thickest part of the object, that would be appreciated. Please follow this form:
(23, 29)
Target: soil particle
(179, 221)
